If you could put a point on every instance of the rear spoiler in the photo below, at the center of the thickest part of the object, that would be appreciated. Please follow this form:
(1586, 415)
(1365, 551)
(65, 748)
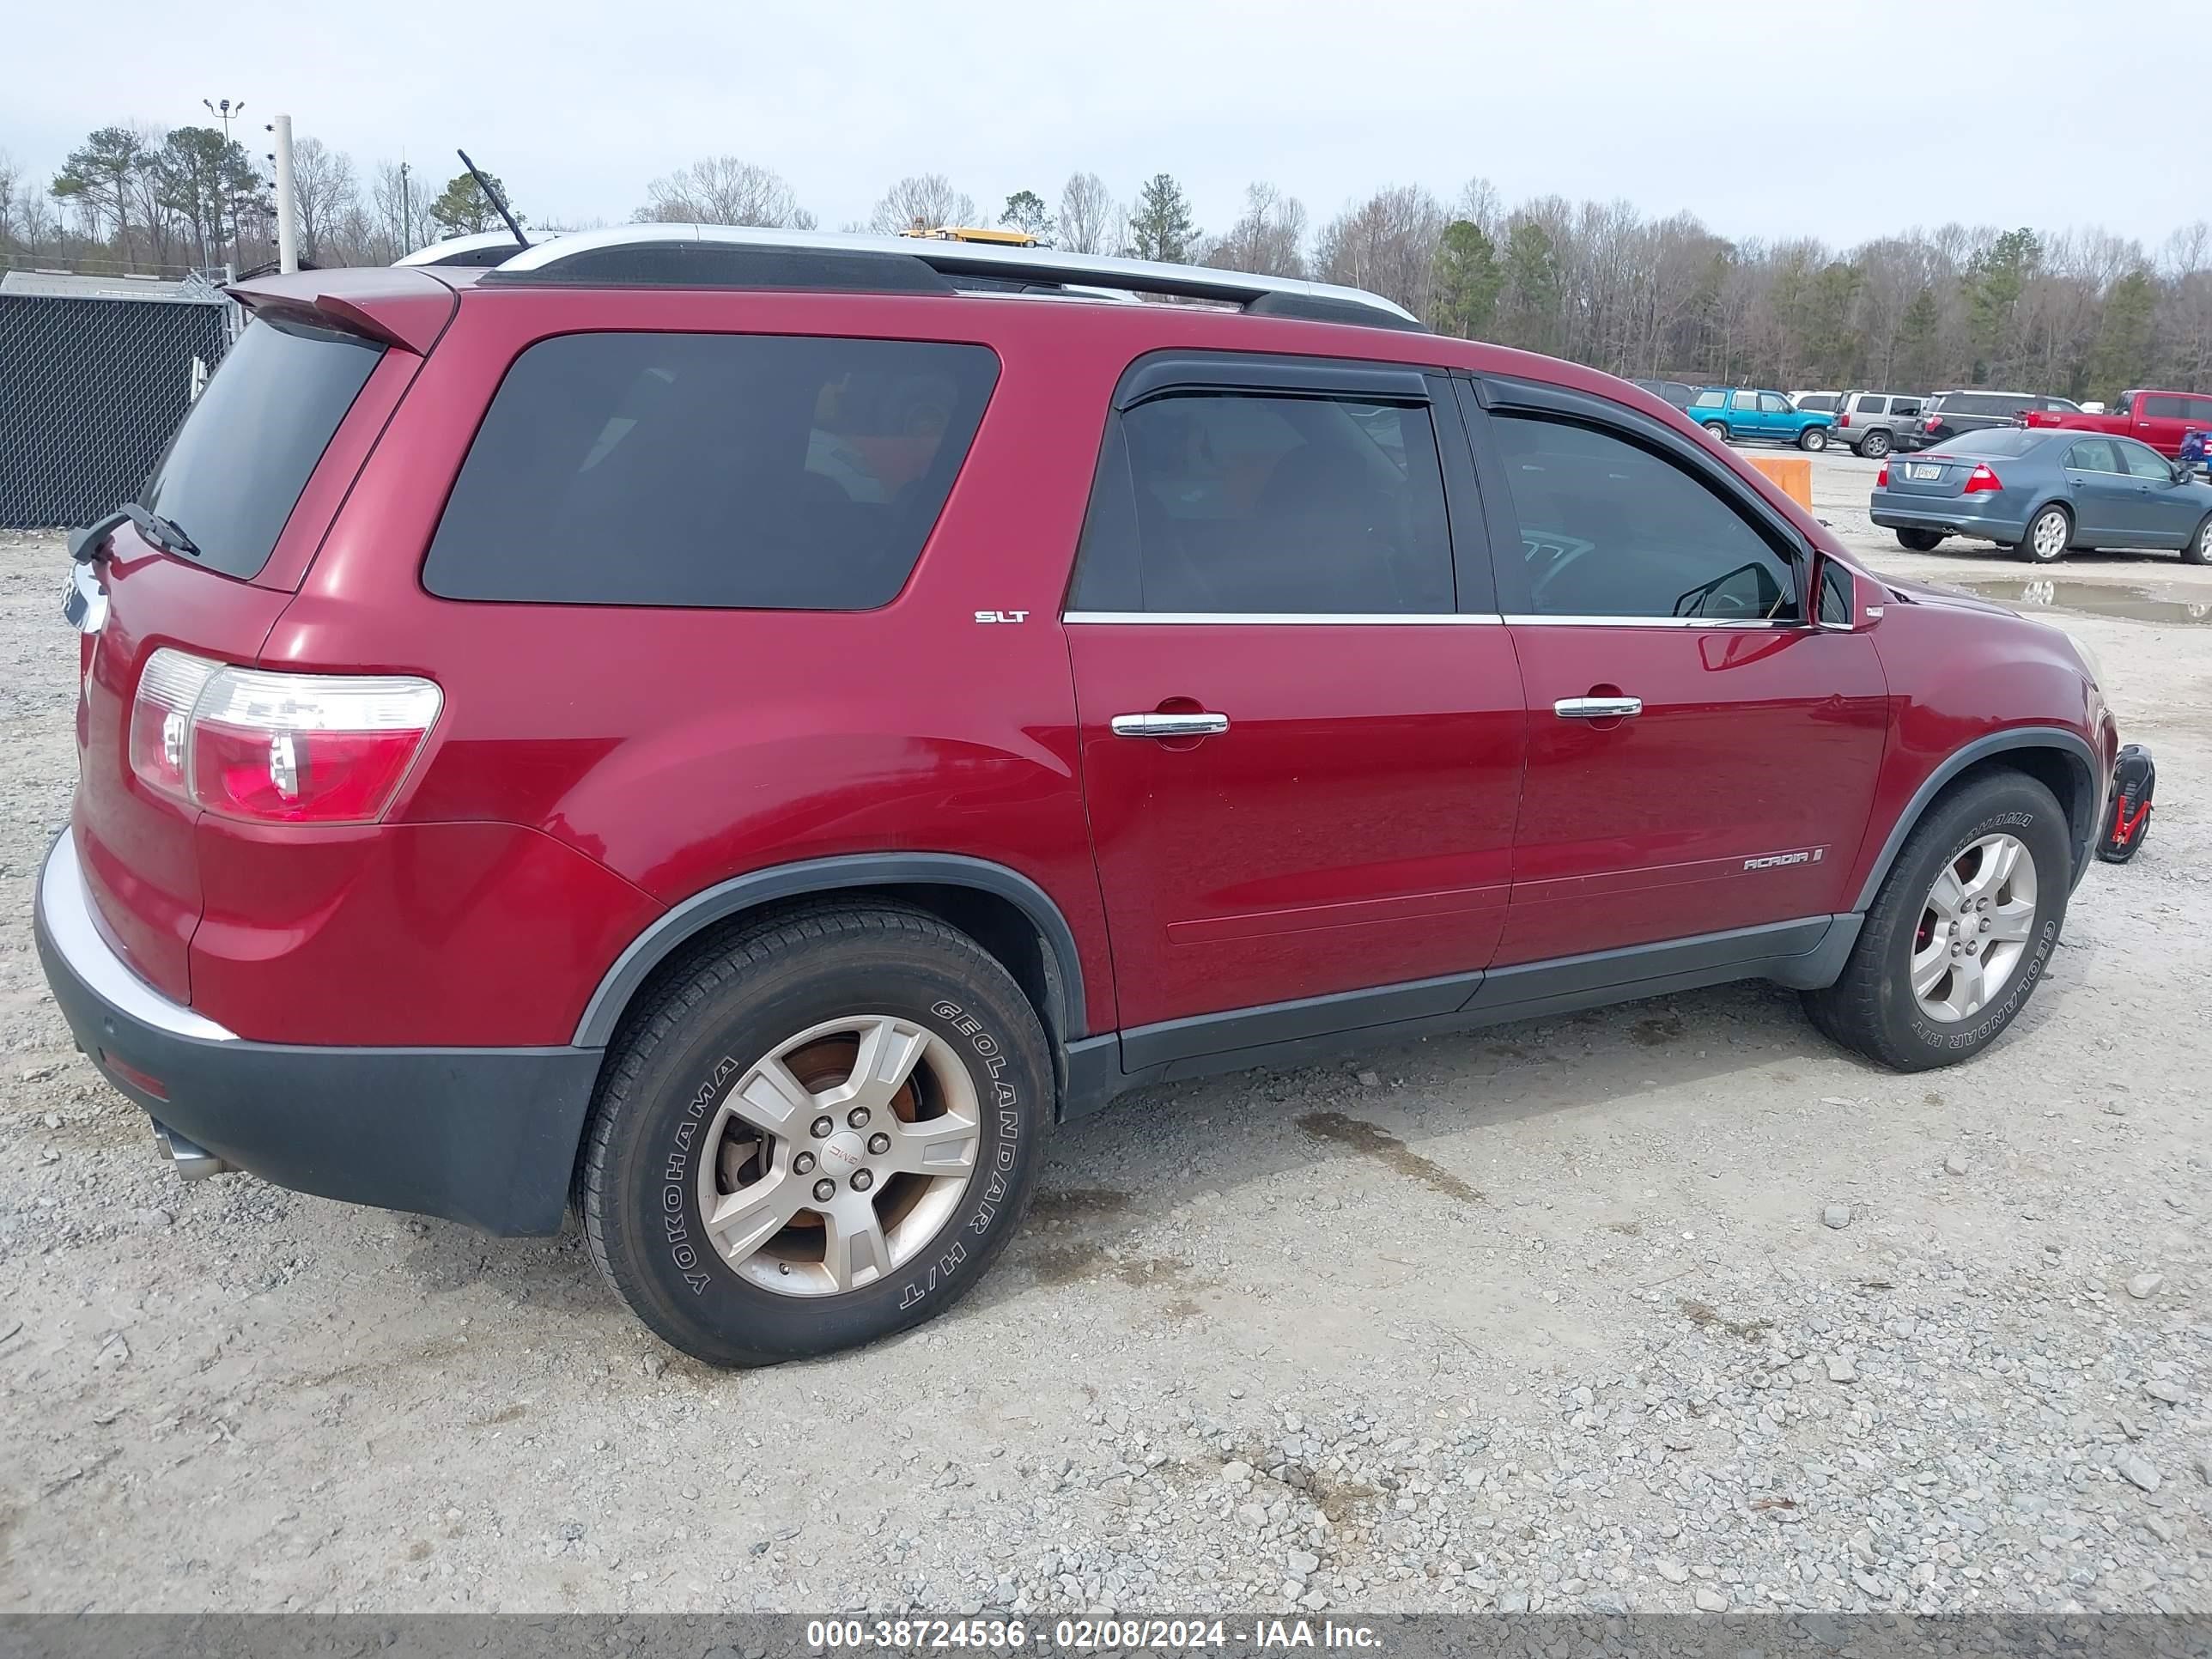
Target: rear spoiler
(393, 307)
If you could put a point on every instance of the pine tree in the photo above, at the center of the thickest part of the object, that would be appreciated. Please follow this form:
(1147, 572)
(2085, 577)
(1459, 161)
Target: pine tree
(1918, 345)
(1025, 212)
(1161, 228)
(2122, 358)
(1467, 279)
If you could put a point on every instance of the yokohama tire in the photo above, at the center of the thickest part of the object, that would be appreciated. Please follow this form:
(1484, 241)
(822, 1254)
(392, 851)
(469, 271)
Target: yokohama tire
(680, 1063)
(1872, 1007)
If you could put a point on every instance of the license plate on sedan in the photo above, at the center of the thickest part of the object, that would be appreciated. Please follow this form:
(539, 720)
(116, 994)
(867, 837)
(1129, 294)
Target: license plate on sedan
(1926, 470)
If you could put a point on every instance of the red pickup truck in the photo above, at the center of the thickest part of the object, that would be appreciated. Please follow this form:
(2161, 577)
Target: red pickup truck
(2161, 419)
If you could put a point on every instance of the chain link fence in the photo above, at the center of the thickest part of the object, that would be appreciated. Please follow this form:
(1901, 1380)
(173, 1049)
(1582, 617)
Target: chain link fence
(90, 390)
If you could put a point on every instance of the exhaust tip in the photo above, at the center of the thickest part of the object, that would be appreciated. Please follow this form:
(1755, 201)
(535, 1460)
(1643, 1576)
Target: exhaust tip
(192, 1161)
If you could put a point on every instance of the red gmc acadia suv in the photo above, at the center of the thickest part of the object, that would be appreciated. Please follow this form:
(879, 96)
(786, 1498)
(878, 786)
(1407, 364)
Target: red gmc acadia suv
(741, 732)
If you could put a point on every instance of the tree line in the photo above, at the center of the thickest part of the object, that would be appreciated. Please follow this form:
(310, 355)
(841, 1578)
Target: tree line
(2077, 313)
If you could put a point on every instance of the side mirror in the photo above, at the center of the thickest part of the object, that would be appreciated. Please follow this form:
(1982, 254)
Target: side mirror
(1835, 596)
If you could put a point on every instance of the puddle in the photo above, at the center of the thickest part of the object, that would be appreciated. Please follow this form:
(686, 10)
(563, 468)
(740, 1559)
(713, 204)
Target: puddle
(2096, 600)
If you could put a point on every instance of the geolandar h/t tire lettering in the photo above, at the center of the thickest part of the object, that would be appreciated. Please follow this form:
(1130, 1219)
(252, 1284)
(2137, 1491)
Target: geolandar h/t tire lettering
(819, 1134)
(1962, 930)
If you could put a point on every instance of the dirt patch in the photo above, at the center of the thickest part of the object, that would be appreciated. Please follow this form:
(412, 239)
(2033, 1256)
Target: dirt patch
(1384, 1147)
(1073, 1205)
(1658, 1031)
(1706, 1318)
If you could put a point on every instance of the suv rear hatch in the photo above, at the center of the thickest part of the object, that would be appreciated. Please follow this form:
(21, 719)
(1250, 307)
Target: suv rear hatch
(251, 480)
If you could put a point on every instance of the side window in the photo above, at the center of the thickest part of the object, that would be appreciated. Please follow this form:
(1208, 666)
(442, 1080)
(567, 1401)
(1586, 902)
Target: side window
(2197, 410)
(710, 471)
(1611, 529)
(1711, 398)
(1875, 406)
(2093, 455)
(1234, 503)
(2144, 462)
(1903, 408)
(2161, 409)
(1773, 403)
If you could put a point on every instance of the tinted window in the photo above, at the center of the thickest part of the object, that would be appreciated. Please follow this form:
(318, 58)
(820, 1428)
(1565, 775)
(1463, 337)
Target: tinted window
(1865, 404)
(2161, 409)
(1709, 399)
(1819, 402)
(2142, 461)
(710, 470)
(2197, 408)
(2094, 455)
(1904, 406)
(236, 467)
(1225, 503)
(1611, 529)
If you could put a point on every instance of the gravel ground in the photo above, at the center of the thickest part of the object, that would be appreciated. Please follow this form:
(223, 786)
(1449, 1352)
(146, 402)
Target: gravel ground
(1671, 1306)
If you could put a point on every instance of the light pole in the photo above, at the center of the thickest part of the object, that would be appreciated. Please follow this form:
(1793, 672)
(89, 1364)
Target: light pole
(226, 112)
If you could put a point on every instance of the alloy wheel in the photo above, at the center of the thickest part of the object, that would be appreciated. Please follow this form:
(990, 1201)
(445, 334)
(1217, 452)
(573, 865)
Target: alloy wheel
(2049, 536)
(839, 1155)
(1975, 928)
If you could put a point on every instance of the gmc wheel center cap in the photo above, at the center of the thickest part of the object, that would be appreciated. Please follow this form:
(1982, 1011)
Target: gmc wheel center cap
(844, 1153)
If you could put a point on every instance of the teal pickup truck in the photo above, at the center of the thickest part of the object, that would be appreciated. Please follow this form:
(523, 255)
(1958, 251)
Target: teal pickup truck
(1740, 415)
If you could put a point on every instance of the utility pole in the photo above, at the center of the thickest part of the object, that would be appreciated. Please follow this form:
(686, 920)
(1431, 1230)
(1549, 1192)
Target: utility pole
(288, 201)
(406, 215)
(226, 112)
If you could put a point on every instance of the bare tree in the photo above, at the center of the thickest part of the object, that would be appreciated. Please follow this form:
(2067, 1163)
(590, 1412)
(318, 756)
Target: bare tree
(11, 215)
(924, 202)
(399, 204)
(1089, 222)
(323, 187)
(1268, 238)
(1387, 244)
(724, 189)
(1479, 204)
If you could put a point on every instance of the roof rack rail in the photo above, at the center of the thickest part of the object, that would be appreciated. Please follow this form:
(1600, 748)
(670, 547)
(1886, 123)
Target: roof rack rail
(481, 247)
(669, 255)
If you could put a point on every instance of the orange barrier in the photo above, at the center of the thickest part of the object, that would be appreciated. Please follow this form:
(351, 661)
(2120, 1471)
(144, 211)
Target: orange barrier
(1791, 474)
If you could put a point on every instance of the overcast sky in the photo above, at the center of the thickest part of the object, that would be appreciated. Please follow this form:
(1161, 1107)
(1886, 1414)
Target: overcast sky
(1843, 119)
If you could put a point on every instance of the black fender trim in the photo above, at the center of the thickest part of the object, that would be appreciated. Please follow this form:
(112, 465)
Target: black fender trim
(2081, 824)
(603, 1013)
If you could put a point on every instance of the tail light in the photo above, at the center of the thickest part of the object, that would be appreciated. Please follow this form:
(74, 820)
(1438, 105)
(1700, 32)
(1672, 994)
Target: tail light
(1881, 478)
(1931, 423)
(1981, 481)
(1843, 419)
(270, 748)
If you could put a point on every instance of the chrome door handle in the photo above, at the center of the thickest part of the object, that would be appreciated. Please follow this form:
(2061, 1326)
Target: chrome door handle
(1169, 725)
(1597, 708)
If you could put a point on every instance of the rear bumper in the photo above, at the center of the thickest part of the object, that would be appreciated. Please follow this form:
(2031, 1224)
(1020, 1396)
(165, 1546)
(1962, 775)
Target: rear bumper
(485, 1136)
(1950, 514)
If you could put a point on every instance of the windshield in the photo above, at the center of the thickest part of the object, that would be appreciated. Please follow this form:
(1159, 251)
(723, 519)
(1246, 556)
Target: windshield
(237, 466)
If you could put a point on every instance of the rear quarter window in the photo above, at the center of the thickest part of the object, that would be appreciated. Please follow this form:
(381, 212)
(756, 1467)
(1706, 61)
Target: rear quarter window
(710, 471)
(233, 472)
